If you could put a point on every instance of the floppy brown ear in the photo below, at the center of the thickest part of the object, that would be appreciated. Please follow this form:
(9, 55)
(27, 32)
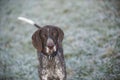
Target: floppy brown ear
(36, 40)
(60, 35)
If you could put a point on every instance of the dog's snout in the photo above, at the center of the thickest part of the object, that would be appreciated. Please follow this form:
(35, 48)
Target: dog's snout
(50, 43)
(50, 46)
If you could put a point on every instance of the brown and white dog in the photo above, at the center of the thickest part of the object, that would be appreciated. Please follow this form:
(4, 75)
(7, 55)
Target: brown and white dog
(48, 42)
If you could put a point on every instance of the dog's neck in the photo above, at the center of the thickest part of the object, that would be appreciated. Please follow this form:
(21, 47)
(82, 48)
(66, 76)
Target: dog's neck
(47, 61)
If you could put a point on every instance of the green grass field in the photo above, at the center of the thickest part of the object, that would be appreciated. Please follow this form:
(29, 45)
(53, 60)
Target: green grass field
(91, 43)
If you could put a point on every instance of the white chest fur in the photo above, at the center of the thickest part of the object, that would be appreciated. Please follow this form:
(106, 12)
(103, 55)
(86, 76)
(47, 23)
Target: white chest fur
(52, 68)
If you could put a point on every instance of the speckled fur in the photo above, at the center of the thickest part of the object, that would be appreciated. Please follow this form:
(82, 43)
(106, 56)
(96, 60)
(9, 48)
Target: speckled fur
(52, 68)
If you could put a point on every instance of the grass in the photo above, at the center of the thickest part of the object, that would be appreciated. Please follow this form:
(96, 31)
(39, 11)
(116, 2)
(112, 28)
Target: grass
(91, 43)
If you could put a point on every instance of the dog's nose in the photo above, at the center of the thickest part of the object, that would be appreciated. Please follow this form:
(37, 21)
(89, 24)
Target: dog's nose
(50, 43)
(50, 46)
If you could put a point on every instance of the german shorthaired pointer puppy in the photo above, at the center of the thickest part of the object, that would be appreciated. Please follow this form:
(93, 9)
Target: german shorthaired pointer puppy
(48, 42)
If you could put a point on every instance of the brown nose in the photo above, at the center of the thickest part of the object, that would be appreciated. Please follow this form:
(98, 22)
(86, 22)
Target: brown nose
(50, 46)
(50, 43)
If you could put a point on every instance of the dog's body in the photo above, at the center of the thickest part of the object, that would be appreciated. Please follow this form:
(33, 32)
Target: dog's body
(48, 42)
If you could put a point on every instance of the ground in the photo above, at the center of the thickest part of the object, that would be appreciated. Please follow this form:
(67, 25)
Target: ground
(91, 42)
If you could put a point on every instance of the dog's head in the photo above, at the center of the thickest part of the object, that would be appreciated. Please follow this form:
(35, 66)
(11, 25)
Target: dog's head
(47, 39)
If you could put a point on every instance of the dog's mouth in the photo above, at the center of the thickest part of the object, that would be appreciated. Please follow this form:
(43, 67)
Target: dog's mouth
(50, 51)
(50, 46)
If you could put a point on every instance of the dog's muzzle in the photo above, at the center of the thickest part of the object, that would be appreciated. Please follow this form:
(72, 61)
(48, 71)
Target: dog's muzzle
(50, 46)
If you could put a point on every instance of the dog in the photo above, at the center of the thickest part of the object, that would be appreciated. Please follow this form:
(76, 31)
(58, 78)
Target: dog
(47, 40)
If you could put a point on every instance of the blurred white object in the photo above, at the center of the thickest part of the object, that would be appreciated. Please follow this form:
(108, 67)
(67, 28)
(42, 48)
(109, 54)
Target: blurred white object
(26, 20)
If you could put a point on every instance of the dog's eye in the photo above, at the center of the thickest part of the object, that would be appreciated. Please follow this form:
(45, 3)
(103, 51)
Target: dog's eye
(54, 34)
(44, 35)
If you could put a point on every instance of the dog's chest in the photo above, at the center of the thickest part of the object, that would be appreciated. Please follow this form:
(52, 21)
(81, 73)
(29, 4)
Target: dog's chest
(52, 68)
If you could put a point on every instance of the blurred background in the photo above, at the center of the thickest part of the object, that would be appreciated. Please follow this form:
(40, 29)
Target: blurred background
(91, 43)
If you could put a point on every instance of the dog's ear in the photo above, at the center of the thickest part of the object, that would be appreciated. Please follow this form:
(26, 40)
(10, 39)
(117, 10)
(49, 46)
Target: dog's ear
(36, 40)
(60, 35)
